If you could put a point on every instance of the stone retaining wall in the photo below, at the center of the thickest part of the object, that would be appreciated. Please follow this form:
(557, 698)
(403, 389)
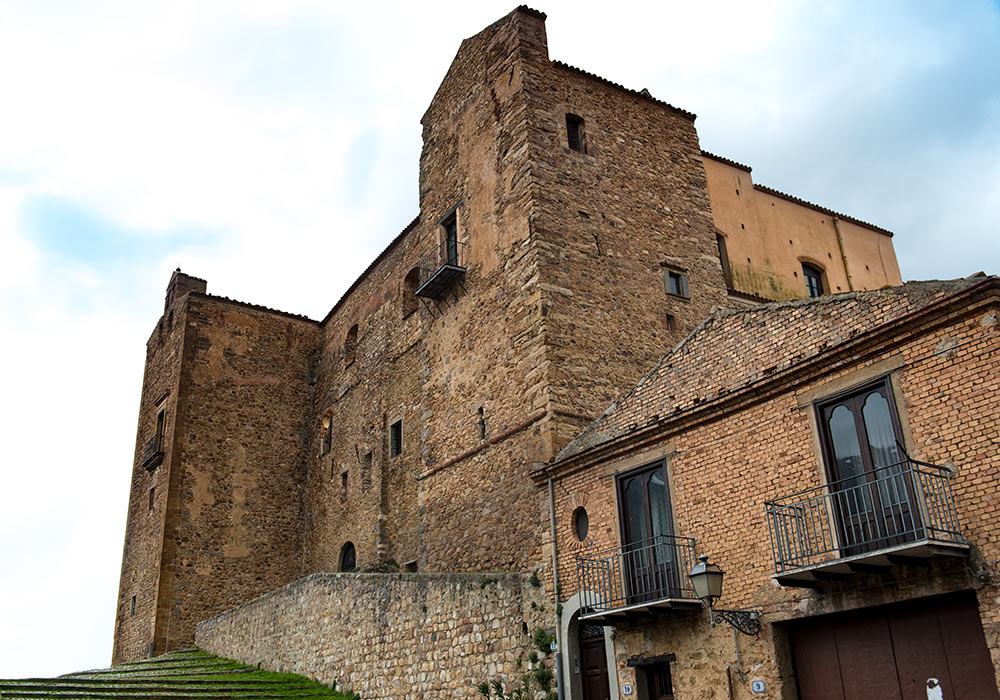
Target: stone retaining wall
(389, 635)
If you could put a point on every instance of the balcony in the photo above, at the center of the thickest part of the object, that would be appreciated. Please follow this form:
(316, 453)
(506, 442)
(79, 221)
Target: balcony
(440, 269)
(900, 514)
(638, 580)
(153, 454)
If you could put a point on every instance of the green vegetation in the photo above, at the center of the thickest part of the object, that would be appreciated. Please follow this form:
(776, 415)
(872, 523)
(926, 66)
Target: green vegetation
(190, 674)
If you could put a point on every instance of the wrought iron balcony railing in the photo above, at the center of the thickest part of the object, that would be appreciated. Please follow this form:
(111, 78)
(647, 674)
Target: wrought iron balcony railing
(893, 508)
(153, 453)
(440, 268)
(639, 574)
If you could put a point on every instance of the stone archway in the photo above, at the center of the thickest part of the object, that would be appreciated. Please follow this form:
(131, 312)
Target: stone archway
(569, 623)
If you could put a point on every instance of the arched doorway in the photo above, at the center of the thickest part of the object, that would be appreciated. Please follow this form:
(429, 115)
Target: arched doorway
(585, 648)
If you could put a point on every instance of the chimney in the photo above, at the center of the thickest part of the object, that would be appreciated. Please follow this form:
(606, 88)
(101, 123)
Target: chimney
(180, 285)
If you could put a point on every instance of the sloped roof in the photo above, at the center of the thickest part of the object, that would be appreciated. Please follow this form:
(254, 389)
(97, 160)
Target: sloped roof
(734, 348)
(190, 674)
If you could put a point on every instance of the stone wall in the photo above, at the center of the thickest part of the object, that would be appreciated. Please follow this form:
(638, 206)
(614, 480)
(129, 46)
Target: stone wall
(389, 635)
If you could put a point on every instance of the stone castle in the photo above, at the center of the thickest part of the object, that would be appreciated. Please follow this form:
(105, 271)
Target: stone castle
(438, 424)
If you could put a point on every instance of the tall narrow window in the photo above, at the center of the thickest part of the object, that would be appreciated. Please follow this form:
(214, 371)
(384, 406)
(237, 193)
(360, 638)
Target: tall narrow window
(727, 274)
(343, 487)
(449, 229)
(814, 280)
(482, 423)
(396, 439)
(131, 607)
(875, 501)
(152, 496)
(574, 133)
(351, 344)
(161, 419)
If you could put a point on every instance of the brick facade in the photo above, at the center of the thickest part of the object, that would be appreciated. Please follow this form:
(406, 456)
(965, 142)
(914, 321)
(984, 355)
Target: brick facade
(727, 454)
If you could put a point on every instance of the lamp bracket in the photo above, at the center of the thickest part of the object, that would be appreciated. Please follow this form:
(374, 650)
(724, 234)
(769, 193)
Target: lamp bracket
(746, 621)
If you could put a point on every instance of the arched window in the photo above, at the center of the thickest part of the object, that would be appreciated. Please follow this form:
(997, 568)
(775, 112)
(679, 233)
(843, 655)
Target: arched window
(814, 279)
(410, 284)
(348, 558)
(351, 344)
(327, 434)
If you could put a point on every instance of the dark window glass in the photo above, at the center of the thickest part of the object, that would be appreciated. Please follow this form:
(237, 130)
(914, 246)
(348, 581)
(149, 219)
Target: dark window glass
(348, 559)
(581, 523)
(677, 283)
(814, 280)
(874, 497)
(396, 439)
(450, 226)
(574, 132)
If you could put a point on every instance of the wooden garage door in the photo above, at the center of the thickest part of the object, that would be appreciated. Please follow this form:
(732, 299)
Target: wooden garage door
(896, 652)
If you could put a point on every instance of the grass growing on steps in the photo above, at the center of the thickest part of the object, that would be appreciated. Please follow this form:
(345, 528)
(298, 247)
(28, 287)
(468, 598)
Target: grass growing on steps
(188, 674)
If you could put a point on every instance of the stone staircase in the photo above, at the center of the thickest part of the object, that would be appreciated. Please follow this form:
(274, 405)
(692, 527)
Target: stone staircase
(189, 674)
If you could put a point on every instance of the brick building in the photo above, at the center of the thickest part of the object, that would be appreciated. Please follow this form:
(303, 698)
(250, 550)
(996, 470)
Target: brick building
(570, 232)
(837, 457)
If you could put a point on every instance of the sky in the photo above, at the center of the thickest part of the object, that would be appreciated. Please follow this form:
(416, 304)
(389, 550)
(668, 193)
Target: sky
(272, 148)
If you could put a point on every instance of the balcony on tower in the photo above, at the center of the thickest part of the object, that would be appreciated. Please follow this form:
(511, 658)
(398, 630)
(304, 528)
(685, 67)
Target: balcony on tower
(441, 268)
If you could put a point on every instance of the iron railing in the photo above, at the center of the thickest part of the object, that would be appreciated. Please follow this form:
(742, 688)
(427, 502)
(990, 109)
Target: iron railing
(642, 572)
(439, 267)
(902, 503)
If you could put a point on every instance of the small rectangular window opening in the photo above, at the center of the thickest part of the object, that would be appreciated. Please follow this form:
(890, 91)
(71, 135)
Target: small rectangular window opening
(152, 496)
(670, 322)
(396, 439)
(410, 566)
(131, 607)
(574, 133)
(482, 423)
(676, 283)
(343, 487)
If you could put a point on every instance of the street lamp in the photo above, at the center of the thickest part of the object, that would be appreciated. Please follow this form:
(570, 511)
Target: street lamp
(706, 580)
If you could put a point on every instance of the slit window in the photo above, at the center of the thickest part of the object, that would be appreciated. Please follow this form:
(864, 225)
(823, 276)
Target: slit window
(574, 133)
(131, 607)
(327, 440)
(396, 439)
(343, 487)
(482, 423)
(152, 496)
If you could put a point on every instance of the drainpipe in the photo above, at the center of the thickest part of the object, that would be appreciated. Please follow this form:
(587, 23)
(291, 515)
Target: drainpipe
(843, 255)
(555, 589)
